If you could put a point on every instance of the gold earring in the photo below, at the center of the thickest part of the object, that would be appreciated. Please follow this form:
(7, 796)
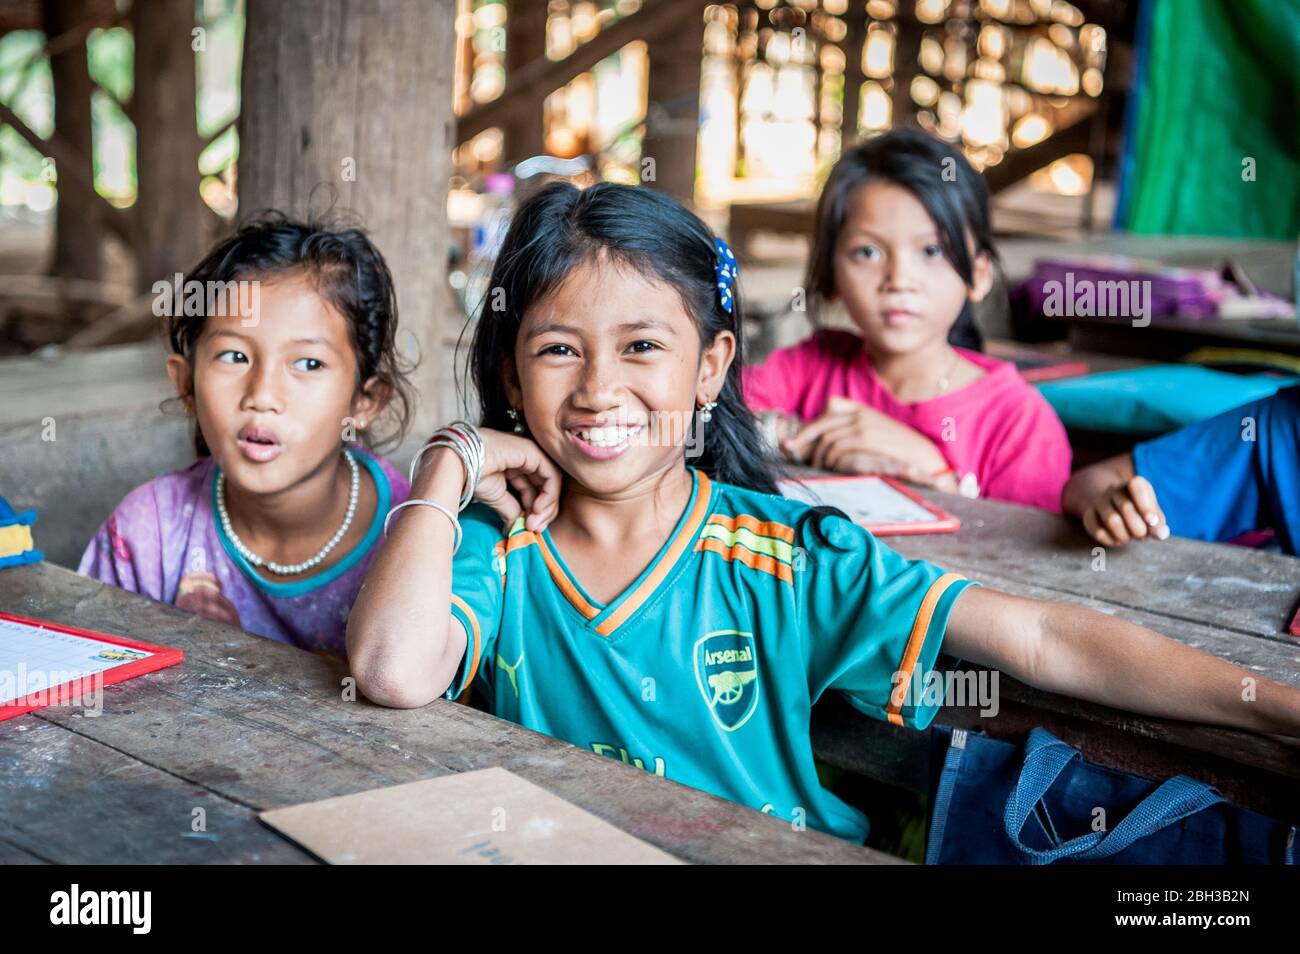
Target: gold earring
(706, 411)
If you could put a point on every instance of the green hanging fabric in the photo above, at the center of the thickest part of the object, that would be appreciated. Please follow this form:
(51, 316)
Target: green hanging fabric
(1215, 141)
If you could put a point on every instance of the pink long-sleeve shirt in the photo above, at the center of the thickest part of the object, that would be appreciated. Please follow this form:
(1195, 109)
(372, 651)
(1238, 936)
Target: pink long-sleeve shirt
(999, 435)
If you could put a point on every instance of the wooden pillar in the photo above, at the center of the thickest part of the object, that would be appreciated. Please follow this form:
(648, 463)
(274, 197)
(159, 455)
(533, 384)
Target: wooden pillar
(854, 42)
(169, 236)
(907, 48)
(524, 134)
(78, 236)
(353, 102)
(673, 114)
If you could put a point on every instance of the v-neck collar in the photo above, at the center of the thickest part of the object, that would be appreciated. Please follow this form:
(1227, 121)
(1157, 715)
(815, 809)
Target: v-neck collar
(605, 619)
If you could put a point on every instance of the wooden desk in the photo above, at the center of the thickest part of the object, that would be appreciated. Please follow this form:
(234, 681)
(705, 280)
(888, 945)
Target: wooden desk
(246, 724)
(1169, 337)
(1229, 601)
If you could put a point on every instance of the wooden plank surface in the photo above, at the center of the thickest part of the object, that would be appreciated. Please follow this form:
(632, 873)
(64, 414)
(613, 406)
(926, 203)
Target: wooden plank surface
(1232, 588)
(1229, 587)
(67, 798)
(257, 724)
(1233, 602)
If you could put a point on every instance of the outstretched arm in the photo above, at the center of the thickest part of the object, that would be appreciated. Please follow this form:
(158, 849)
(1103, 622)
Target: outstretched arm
(1082, 653)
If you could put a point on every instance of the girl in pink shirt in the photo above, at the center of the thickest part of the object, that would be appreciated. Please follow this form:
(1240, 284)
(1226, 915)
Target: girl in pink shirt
(903, 240)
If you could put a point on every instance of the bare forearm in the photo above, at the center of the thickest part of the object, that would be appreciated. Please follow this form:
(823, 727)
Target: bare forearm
(399, 634)
(1103, 659)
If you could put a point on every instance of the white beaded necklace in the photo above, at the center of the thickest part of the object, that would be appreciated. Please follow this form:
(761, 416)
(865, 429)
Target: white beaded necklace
(293, 568)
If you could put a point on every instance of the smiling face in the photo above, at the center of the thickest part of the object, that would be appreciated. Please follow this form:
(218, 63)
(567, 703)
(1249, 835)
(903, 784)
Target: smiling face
(272, 384)
(609, 370)
(891, 273)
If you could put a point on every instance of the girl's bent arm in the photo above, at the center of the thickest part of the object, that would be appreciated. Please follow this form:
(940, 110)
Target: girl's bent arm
(1089, 655)
(403, 648)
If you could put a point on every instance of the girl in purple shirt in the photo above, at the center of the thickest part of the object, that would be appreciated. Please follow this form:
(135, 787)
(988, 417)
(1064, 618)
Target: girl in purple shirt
(283, 349)
(903, 240)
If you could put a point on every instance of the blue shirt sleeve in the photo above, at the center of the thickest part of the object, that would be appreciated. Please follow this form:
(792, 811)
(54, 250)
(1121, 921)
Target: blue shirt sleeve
(1231, 473)
(873, 620)
(478, 573)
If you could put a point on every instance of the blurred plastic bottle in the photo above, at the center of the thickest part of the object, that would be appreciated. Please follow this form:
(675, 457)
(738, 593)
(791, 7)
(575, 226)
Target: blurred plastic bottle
(490, 230)
(486, 237)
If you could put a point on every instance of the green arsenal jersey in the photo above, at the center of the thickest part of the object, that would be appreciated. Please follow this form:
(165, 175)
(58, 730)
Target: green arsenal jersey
(706, 668)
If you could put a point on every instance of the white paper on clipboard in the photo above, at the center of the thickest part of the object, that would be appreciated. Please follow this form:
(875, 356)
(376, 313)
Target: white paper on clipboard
(37, 658)
(870, 501)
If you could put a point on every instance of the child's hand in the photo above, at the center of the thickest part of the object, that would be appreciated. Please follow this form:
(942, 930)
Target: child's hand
(856, 439)
(1126, 511)
(514, 463)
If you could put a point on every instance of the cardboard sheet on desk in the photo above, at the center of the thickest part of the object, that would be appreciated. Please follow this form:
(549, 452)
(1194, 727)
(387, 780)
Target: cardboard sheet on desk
(490, 816)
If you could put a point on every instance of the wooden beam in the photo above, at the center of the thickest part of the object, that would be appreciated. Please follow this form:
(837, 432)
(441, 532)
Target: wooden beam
(170, 237)
(1020, 163)
(78, 234)
(26, 14)
(854, 41)
(69, 163)
(524, 133)
(907, 48)
(673, 113)
(533, 83)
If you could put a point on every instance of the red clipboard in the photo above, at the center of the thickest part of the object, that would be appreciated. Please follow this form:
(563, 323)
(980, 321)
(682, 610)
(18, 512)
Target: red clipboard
(132, 663)
(936, 520)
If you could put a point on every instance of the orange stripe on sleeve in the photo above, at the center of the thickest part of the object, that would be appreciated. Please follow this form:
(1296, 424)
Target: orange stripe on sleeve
(473, 622)
(920, 627)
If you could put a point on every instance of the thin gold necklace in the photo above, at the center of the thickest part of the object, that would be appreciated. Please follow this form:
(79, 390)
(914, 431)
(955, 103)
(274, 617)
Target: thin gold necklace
(945, 379)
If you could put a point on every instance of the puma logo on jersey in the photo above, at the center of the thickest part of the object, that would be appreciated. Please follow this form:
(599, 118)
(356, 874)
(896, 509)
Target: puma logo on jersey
(510, 670)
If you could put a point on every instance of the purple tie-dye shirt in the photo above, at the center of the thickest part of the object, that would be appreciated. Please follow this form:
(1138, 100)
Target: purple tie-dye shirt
(162, 541)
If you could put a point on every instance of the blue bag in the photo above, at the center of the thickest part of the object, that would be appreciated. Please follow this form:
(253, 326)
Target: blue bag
(994, 802)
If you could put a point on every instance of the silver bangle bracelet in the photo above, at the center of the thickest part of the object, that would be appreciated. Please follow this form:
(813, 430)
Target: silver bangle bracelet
(469, 436)
(411, 502)
(439, 440)
(464, 440)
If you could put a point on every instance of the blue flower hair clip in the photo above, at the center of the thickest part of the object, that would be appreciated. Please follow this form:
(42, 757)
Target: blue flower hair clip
(725, 270)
